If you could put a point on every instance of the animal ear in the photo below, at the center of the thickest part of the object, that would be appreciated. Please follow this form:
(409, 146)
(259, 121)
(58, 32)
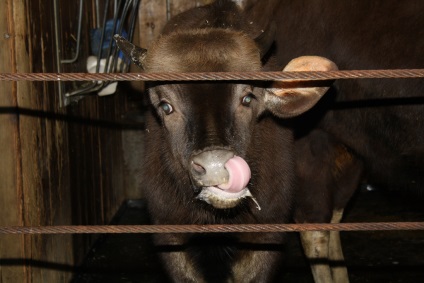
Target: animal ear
(266, 38)
(135, 53)
(291, 98)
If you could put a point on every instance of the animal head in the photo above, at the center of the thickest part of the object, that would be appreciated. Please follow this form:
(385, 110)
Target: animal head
(208, 128)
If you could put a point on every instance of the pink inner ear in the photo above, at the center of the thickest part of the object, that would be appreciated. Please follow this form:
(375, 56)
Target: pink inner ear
(290, 98)
(310, 63)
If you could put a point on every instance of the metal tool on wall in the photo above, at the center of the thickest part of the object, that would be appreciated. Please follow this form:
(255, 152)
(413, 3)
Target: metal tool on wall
(116, 17)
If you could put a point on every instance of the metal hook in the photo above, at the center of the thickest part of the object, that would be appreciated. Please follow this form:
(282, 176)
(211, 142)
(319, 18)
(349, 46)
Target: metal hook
(122, 10)
(68, 61)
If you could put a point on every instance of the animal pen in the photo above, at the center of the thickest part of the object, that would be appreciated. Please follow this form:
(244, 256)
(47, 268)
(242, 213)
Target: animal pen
(65, 126)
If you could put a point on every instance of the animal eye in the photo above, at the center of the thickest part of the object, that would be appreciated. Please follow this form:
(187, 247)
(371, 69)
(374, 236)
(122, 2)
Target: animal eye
(247, 99)
(166, 107)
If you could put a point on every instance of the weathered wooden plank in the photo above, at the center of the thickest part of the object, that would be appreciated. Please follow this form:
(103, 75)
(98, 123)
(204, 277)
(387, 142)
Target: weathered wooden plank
(95, 161)
(45, 153)
(35, 189)
(11, 247)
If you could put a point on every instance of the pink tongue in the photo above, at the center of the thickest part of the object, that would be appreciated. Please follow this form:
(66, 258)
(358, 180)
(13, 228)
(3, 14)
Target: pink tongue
(239, 173)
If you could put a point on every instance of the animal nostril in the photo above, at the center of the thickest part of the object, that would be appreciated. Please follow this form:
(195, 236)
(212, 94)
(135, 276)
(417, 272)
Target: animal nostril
(207, 168)
(199, 169)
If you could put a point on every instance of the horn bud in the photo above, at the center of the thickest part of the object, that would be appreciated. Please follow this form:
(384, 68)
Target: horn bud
(135, 53)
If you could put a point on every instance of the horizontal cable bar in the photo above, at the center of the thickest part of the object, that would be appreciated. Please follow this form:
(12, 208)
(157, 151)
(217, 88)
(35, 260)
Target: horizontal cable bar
(216, 76)
(235, 228)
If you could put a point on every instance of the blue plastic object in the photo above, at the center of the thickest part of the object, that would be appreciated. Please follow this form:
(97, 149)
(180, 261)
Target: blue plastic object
(96, 36)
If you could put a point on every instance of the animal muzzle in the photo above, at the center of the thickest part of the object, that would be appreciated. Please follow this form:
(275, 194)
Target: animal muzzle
(222, 177)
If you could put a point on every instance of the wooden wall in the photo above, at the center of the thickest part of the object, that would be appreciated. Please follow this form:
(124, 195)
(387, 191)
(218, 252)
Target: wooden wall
(60, 165)
(11, 198)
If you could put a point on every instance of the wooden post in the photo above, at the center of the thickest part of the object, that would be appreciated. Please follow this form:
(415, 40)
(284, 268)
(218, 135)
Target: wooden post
(34, 177)
(12, 248)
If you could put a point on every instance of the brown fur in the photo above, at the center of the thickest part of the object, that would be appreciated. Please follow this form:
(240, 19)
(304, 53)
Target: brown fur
(201, 50)
(336, 136)
(210, 116)
(328, 175)
(380, 120)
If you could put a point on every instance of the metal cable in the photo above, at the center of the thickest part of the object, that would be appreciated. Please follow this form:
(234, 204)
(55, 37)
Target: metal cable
(217, 76)
(214, 76)
(236, 228)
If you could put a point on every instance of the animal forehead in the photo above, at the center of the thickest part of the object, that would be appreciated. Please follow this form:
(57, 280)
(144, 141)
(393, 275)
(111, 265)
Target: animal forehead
(199, 90)
(203, 50)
